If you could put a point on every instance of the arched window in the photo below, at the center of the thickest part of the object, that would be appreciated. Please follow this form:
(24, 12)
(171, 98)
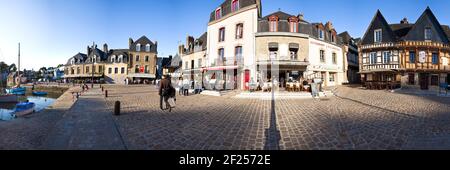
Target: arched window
(218, 13)
(138, 47)
(147, 48)
(234, 5)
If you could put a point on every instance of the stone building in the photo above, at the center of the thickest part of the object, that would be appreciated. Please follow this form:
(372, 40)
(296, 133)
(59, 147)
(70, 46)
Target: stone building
(137, 64)
(289, 48)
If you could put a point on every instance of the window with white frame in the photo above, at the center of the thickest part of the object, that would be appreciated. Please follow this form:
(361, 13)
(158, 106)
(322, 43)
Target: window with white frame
(386, 57)
(373, 58)
(138, 47)
(120, 58)
(147, 48)
(321, 36)
(113, 59)
(378, 34)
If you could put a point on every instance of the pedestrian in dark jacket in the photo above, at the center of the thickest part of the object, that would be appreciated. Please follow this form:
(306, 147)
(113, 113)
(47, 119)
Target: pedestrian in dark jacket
(165, 91)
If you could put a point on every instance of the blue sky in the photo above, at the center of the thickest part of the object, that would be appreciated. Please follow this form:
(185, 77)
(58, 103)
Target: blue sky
(51, 31)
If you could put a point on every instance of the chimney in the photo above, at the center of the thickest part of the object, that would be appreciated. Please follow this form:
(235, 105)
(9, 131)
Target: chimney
(404, 21)
(130, 41)
(170, 57)
(329, 25)
(105, 48)
(300, 16)
(181, 49)
(88, 50)
(190, 43)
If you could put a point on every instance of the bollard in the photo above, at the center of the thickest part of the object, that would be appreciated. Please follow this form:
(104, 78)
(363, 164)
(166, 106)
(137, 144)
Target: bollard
(92, 86)
(117, 108)
(106, 93)
(102, 89)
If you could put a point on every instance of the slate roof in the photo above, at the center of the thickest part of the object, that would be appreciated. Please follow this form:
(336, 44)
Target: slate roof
(284, 26)
(176, 61)
(144, 41)
(79, 58)
(226, 7)
(118, 52)
(408, 31)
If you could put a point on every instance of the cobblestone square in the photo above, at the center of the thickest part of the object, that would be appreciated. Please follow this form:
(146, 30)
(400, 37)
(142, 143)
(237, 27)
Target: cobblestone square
(353, 119)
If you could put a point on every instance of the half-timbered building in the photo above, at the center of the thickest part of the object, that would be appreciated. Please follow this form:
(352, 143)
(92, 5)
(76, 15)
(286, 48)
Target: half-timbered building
(405, 54)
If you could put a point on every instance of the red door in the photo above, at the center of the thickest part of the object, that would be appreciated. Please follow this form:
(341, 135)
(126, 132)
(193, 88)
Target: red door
(247, 79)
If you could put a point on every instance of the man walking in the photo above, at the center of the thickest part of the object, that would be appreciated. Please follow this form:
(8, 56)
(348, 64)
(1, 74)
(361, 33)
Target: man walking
(164, 92)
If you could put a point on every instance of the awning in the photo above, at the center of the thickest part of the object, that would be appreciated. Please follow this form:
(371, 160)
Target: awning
(221, 68)
(141, 76)
(273, 45)
(293, 46)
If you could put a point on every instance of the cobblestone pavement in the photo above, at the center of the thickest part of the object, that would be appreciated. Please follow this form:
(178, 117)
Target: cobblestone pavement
(29, 132)
(356, 119)
(87, 125)
(353, 119)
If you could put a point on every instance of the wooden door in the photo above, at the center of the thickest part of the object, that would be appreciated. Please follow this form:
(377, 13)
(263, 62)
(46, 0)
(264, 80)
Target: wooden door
(423, 81)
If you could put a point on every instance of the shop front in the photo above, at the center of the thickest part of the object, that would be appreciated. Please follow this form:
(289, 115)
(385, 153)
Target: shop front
(281, 72)
(221, 78)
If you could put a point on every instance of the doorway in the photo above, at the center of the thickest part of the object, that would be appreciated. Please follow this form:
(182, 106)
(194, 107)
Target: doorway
(423, 80)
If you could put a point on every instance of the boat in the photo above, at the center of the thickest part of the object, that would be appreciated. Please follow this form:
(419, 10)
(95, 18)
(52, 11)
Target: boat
(20, 93)
(7, 116)
(23, 109)
(15, 90)
(39, 93)
(8, 98)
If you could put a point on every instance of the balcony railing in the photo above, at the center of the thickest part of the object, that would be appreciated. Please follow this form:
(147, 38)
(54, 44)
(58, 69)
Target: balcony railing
(228, 62)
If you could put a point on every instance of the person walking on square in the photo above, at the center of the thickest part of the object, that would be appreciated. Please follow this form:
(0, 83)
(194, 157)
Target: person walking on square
(166, 91)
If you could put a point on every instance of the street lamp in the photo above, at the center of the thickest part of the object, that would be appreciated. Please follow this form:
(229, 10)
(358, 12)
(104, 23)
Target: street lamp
(93, 69)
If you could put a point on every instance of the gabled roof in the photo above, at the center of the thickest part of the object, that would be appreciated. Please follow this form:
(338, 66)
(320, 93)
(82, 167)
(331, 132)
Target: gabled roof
(345, 36)
(176, 61)
(378, 22)
(427, 20)
(204, 40)
(143, 41)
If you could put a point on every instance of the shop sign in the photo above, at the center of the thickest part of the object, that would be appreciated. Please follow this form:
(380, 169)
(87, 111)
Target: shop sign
(422, 57)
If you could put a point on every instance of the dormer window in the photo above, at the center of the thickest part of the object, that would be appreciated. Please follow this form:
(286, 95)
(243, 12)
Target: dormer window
(428, 33)
(113, 59)
(94, 59)
(147, 48)
(218, 13)
(72, 61)
(138, 47)
(333, 36)
(234, 5)
(321, 34)
(378, 34)
(293, 24)
(120, 58)
(273, 24)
